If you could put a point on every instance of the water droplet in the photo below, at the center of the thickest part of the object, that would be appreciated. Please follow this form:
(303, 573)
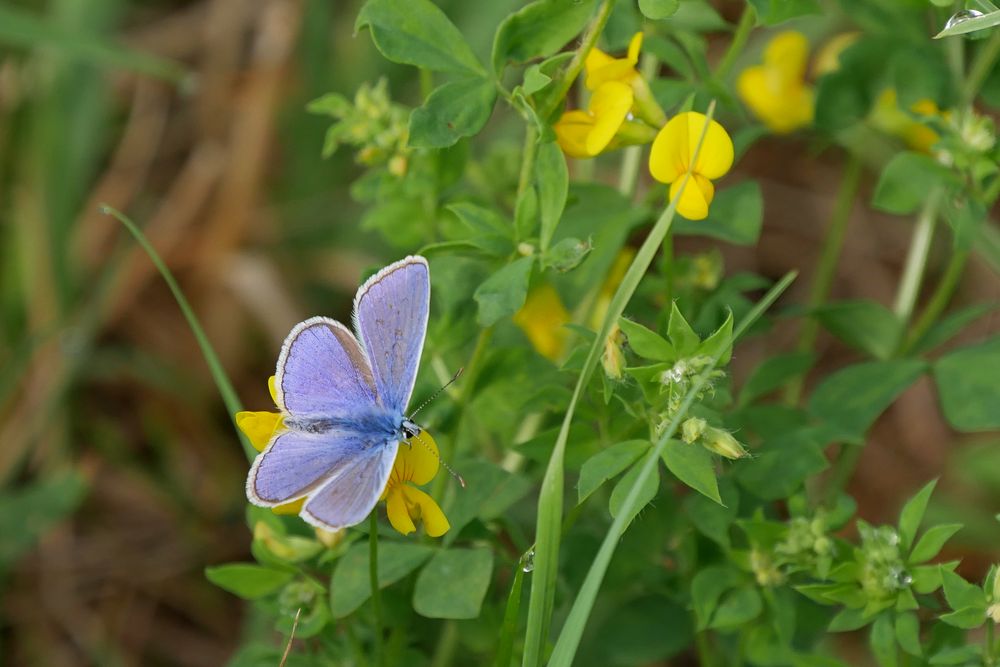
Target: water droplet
(528, 560)
(960, 17)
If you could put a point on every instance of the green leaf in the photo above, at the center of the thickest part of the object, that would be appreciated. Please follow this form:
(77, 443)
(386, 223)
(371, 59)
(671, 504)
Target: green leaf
(645, 342)
(681, 334)
(567, 254)
(350, 585)
(930, 543)
(773, 373)
(526, 213)
(646, 493)
(737, 608)
(866, 325)
(772, 12)
(736, 216)
(453, 111)
(951, 325)
(657, 10)
(784, 463)
(534, 80)
(504, 292)
(454, 584)
(692, 464)
(637, 628)
(552, 181)
(720, 341)
(967, 618)
(710, 518)
(913, 513)
(538, 30)
(851, 399)
(967, 385)
(247, 580)
(416, 32)
(908, 633)
(960, 594)
(906, 179)
(883, 641)
(847, 620)
(971, 24)
(958, 655)
(606, 464)
(707, 587)
(926, 578)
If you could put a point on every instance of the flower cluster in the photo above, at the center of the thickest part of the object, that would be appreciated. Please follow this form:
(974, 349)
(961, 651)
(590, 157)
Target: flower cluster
(622, 111)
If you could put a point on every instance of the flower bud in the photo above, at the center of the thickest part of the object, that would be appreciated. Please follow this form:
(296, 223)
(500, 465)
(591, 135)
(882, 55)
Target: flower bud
(692, 429)
(613, 359)
(331, 538)
(723, 443)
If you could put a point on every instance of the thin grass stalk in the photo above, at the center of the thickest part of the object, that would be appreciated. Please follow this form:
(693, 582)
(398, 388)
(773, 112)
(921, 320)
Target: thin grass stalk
(569, 638)
(376, 593)
(222, 382)
(550, 500)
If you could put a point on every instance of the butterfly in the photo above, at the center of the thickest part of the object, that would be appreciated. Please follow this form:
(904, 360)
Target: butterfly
(343, 398)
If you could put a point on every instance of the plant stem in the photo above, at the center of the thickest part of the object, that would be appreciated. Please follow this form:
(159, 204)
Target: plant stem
(447, 643)
(916, 259)
(743, 28)
(826, 268)
(632, 158)
(562, 85)
(704, 648)
(981, 67)
(373, 580)
(426, 82)
(939, 300)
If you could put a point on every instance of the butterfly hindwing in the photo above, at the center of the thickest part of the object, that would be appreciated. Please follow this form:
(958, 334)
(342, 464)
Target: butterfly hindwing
(390, 312)
(349, 498)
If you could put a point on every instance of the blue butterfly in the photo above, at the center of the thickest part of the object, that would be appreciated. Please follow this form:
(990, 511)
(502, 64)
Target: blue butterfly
(343, 400)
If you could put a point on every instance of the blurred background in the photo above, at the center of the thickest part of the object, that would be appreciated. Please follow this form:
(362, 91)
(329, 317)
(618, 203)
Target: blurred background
(120, 475)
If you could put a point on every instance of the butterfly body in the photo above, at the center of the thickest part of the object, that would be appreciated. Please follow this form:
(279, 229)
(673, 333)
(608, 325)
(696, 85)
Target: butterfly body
(342, 398)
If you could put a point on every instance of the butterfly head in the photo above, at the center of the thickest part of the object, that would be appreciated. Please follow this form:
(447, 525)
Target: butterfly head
(410, 429)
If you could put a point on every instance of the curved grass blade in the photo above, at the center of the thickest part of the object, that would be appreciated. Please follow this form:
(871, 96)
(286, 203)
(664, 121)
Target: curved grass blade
(222, 382)
(569, 638)
(548, 524)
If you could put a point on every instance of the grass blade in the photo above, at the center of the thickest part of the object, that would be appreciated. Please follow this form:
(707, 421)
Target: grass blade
(222, 382)
(569, 638)
(548, 524)
(505, 647)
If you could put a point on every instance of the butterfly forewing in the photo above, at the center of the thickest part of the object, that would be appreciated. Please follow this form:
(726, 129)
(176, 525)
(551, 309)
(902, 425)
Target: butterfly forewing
(322, 371)
(390, 313)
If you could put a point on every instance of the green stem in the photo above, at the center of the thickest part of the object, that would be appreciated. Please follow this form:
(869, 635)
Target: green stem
(743, 28)
(826, 269)
(632, 158)
(562, 85)
(222, 383)
(916, 259)
(373, 580)
(447, 643)
(939, 300)
(704, 648)
(843, 470)
(426, 82)
(981, 67)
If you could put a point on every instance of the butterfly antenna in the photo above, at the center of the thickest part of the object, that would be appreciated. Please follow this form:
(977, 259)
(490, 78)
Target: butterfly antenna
(437, 393)
(451, 471)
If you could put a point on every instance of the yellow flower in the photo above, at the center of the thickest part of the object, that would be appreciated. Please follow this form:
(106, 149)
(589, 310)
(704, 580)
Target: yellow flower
(672, 155)
(416, 463)
(259, 428)
(776, 91)
(828, 58)
(584, 134)
(888, 117)
(541, 318)
(601, 69)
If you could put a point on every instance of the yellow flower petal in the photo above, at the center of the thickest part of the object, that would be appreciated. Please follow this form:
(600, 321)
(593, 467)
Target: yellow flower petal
(293, 507)
(828, 58)
(572, 130)
(595, 61)
(674, 146)
(423, 506)
(272, 389)
(609, 106)
(416, 461)
(399, 517)
(541, 318)
(258, 427)
(788, 52)
(695, 199)
(634, 46)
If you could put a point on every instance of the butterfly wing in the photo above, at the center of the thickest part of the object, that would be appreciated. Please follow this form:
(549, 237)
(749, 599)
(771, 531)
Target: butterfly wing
(323, 371)
(349, 497)
(390, 316)
(296, 463)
